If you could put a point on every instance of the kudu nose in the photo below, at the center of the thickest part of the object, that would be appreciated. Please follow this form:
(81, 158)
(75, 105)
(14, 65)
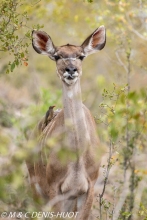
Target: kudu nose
(71, 70)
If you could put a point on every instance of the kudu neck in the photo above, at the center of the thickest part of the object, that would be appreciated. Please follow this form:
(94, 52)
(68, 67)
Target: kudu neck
(74, 117)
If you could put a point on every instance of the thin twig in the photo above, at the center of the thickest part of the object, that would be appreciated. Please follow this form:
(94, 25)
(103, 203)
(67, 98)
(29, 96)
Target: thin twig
(106, 179)
(137, 200)
(120, 61)
(127, 107)
(122, 197)
(130, 26)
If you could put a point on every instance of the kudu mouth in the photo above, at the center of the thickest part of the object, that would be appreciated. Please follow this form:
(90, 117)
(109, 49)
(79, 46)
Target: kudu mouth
(70, 76)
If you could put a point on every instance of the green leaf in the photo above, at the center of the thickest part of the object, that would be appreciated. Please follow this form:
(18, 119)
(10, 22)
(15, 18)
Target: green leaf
(17, 62)
(22, 55)
(114, 133)
(12, 66)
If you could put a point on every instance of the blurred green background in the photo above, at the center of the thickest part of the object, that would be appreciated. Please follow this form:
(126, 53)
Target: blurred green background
(114, 88)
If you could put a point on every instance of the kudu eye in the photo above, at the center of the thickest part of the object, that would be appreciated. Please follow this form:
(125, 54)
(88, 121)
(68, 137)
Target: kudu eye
(57, 57)
(81, 57)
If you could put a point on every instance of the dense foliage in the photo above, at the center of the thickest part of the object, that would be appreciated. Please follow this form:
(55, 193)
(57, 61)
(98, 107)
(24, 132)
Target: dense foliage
(114, 89)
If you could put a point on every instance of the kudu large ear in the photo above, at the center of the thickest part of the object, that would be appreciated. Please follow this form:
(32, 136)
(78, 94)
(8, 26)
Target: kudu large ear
(43, 44)
(96, 41)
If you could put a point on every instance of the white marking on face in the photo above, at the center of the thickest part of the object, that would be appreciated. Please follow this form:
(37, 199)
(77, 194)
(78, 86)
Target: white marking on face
(58, 73)
(66, 74)
(70, 82)
(71, 58)
(75, 74)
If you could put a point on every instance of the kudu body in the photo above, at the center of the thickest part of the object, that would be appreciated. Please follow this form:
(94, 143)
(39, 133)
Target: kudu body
(69, 184)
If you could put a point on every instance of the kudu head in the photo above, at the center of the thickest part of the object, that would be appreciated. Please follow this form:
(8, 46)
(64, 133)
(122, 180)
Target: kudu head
(68, 57)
